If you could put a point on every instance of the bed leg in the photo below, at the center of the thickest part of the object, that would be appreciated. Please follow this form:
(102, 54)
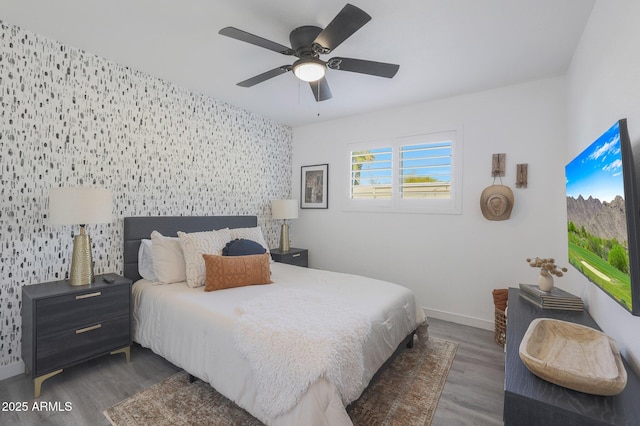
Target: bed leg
(192, 378)
(410, 340)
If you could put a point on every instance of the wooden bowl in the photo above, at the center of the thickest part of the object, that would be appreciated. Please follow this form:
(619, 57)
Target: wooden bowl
(573, 356)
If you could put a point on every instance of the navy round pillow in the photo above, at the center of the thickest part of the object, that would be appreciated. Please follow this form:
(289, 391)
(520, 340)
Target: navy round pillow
(242, 247)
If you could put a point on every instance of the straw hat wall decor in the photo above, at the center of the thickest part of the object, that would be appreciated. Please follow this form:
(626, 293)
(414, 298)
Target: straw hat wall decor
(496, 202)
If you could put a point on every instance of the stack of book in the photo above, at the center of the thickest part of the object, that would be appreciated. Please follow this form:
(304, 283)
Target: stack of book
(554, 299)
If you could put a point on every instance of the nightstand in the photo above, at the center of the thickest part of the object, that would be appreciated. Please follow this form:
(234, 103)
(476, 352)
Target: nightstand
(63, 325)
(295, 256)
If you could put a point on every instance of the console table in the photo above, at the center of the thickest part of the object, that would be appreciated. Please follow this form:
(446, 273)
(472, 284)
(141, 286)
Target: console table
(529, 400)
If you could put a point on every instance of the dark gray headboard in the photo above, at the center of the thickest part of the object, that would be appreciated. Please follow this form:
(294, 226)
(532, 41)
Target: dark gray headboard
(138, 228)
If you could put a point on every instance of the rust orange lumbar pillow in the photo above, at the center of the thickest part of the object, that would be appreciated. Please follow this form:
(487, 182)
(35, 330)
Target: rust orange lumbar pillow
(236, 271)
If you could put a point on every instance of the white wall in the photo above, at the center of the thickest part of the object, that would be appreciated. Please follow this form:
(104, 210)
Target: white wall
(452, 262)
(604, 86)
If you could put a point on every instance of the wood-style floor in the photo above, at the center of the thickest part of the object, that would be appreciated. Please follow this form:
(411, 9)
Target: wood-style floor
(473, 393)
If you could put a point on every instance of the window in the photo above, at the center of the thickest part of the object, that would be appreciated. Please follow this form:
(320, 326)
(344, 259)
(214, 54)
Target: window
(408, 174)
(371, 173)
(425, 170)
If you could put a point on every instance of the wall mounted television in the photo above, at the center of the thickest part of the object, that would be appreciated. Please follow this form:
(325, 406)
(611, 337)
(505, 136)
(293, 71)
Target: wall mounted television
(602, 216)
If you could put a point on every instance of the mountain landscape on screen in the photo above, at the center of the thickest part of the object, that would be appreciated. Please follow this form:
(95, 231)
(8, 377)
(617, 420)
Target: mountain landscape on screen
(597, 224)
(602, 218)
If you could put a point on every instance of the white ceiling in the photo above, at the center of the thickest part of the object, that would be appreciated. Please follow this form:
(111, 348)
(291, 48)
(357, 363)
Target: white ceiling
(444, 47)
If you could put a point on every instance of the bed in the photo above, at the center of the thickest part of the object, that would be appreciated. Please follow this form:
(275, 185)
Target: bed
(302, 371)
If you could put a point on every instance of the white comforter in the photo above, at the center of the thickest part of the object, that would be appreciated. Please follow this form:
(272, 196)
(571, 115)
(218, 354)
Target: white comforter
(194, 330)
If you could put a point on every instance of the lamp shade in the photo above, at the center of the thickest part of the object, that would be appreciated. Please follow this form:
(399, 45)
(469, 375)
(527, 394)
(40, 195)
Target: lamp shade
(79, 206)
(284, 209)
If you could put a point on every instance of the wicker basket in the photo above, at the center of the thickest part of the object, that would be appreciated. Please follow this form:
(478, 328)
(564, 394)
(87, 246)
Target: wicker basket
(501, 327)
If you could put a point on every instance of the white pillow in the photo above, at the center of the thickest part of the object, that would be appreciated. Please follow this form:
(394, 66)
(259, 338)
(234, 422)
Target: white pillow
(145, 261)
(194, 245)
(168, 260)
(254, 234)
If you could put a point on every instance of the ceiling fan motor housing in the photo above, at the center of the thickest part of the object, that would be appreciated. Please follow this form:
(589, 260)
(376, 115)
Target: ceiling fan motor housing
(302, 38)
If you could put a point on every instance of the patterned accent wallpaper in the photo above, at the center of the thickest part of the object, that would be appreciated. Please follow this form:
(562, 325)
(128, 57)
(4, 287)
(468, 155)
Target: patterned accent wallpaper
(69, 118)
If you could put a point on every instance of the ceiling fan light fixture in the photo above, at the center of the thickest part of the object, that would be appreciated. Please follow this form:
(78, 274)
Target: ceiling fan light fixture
(309, 69)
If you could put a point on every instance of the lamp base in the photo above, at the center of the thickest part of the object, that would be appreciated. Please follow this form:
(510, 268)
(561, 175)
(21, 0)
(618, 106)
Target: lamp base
(284, 238)
(81, 261)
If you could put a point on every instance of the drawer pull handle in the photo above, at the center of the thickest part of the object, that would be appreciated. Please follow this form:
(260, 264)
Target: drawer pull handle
(84, 330)
(295, 255)
(88, 295)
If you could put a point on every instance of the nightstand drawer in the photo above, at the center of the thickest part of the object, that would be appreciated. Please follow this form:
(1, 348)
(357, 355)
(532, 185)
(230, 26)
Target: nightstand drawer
(73, 311)
(298, 259)
(73, 345)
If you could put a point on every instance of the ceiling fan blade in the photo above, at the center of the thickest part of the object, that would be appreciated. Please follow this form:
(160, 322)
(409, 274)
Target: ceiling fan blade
(256, 40)
(349, 20)
(320, 89)
(380, 69)
(265, 76)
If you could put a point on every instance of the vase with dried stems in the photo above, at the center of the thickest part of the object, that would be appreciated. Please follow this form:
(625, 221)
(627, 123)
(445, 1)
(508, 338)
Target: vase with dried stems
(548, 269)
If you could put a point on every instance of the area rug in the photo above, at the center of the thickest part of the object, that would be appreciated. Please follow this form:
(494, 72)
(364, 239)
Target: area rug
(406, 393)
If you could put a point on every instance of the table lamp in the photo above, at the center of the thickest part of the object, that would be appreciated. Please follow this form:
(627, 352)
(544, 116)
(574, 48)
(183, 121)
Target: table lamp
(284, 209)
(80, 206)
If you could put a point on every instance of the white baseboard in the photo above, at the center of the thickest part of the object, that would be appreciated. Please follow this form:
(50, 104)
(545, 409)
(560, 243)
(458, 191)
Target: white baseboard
(460, 319)
(11, 370)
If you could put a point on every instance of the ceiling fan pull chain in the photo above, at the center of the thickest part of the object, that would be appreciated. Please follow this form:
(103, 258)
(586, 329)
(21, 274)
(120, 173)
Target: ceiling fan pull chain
(318, 105)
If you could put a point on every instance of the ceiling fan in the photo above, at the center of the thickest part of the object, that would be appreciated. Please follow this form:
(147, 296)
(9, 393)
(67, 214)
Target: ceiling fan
(308, 43)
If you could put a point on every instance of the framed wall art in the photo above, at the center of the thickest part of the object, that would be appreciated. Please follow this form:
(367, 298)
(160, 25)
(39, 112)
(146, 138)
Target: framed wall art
(314, 187)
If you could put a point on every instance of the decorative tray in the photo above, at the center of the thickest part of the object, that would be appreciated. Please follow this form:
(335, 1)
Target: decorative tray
(573, 356)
